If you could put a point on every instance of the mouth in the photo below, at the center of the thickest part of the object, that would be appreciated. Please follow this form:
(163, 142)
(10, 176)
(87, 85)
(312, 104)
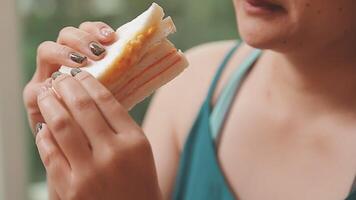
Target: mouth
(263, 7)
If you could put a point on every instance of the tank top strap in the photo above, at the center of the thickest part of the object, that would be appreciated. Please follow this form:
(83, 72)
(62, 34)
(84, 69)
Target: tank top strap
(352, 193)
(220, 71)
(222, 106)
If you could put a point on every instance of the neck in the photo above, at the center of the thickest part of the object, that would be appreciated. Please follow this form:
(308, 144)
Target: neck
(328, 76)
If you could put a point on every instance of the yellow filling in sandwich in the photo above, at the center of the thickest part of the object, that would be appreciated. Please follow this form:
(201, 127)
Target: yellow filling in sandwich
(128, 57)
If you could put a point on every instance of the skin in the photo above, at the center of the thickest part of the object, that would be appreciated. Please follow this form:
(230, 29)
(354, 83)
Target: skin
(81, 159)
(300, 93)
(301, 98)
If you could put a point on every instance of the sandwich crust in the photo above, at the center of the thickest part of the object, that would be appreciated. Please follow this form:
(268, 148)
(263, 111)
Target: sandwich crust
(141, 60)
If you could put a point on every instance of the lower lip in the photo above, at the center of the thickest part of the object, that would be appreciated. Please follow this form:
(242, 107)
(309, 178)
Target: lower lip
(254, 9)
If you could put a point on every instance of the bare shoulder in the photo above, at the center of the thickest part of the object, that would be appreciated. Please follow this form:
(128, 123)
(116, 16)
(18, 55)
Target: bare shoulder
(179, 101)
(175, 106)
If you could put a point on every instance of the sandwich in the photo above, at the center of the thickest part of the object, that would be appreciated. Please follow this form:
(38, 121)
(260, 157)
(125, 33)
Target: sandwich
(141, 60)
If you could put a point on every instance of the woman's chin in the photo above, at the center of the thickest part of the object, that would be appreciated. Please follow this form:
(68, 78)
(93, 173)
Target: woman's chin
(262, 40)
(265, 34)
(259, 43)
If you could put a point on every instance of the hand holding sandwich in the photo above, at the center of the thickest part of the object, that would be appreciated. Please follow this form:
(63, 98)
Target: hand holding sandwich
(90, 146)
(73, 48)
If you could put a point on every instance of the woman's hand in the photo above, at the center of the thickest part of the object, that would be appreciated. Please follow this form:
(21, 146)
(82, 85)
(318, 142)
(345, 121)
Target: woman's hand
(72, 49)
(90, 146)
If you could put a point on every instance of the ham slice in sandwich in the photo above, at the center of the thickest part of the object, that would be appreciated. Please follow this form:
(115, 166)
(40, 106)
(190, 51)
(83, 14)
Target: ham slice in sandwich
(141, 61)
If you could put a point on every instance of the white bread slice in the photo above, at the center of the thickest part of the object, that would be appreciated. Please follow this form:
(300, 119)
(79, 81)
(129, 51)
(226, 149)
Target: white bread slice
(172, 59)
(142, 44)
(166, 27)
(159, 53)
(156, 82)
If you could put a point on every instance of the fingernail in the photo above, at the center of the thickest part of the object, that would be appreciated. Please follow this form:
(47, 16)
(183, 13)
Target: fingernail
(55, 75)
(76, 57)
(107, 32)
(75, 71)
(96, 49)
(38, 128)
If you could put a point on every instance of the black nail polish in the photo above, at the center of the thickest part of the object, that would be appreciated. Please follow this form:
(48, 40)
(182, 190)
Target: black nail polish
(55, 75)
(75, 71)
(76, 57)
(96, 49)
(38, 128)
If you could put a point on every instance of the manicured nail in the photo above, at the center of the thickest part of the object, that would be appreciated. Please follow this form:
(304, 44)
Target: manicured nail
(76, 57)
(55, 75)
(38, 128)
(75, 71)
(107, 32)
(96, 49)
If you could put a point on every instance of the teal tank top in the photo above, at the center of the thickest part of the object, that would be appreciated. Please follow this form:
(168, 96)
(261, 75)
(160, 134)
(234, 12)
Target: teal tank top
(200, 176)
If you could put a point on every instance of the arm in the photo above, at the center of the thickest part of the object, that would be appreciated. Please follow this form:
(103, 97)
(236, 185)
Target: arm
(160, 131)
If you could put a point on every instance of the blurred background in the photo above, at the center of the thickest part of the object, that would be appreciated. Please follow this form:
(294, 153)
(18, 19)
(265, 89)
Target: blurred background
(27, 23)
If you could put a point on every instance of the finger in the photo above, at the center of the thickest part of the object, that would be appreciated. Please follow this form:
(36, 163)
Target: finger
(52, 193)
(81, 41)
(57, 166)
(115, 114)
(83, 108)
(50, 56)
(65, 131)
(103, 32)
(30, 93)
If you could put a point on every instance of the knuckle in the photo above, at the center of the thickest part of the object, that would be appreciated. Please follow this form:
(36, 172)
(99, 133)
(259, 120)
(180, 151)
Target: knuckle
(104, 96)
(100, 24)
(73, 36)
(82, 103)
(89, 175)
(135, 132)
(49, 49)
(49, 156)
(122, 152)
(108, 148)
(119, 109)
(75, 194)
(136, 141)
(43, 47)
(60, 122)
(85, 24)
(111, 153)
(40, 137)
(82, 186)
(65, 31)
(63, 51)
(141, 142)
(28, 96)
(52, 153)
(85, 39)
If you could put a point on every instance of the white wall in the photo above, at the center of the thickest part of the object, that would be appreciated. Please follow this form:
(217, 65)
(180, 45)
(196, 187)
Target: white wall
(12, 134)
